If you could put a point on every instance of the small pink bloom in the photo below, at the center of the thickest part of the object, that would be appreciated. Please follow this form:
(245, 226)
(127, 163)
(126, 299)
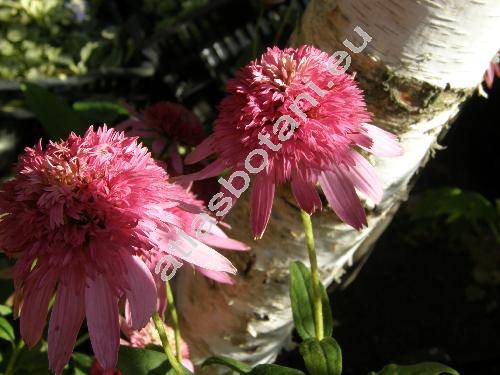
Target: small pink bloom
(168, 125)
(323, 148)
(149, 335)
(86, 217)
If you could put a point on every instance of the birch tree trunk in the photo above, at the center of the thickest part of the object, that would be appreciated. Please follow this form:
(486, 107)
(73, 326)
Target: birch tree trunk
(425, 58)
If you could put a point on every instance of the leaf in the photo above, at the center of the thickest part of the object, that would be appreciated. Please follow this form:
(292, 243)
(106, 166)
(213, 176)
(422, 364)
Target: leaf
(33, 360)
(274, 370)
(424, 368)
(233, 364)
(6, 330)
(5, 310)
(322, 358)
(99, 111)
(83, 362)
(132, 361)
(57, 118)
(454, 204)
(302, 303)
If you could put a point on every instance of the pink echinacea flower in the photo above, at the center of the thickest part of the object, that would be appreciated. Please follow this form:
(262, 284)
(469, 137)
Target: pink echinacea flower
(84, 218)
(310, 123)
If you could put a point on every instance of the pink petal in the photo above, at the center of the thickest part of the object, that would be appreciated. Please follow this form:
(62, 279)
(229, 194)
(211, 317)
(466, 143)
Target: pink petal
(489, 75)
(220, 277)
(262, 203)
(224, 243)
(341, 196)
(158, 146)
(141, 292)
(306, 195)
(364, 177)
(385, 144)
(203, 150)
(35, 306)
(175, 159)
(195, 252)
(65, 321)
(101, 307)
(211, 170)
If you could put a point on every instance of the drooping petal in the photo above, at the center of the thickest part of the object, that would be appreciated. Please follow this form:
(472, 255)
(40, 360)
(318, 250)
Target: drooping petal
(158, 146)
(211, 170)
(195, 252)
(224, 243)
(201, 151)
(261, 203)
(364, 177)
(341, 196)
(65, 320)
(35, 306)
(101, 308)
(306, 195)
(141, 292)
(175, 159)
(220, 277)
(385, 144)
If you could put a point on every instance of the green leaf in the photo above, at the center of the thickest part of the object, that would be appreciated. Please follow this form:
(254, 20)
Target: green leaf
(5, 310)
(57, 118)
(454, 204)
(33, 360)
(274, 370)
(302, 303)
(100, 111)
(424, 368)
(132, 361)
(322, 358)
(6, 330)
(82, 362)
(233, 364)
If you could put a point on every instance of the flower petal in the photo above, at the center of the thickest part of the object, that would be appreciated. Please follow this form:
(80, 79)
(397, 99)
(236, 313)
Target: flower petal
(65, 320)
(341, 196)
(385, 144)
(201, 151)
(306, 195)
(101, 307)
(261, 203)
(224, 243)
(35, 305)
(211, 170)
(189, 249)
(364, 177)
(141, 292)
(220, 277)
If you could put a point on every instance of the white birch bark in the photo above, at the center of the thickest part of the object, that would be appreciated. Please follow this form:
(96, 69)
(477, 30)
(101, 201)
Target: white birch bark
(425, 58)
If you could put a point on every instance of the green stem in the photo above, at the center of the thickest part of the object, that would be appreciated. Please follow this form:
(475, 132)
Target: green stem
(318, 308)
(82, 339)
(175, 321)
(166, 346)
(12, 360)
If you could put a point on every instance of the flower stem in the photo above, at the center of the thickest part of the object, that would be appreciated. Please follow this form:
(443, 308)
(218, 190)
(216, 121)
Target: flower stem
(166, 346)
(175, 321)
(82, 339)
(318, 308)
(16, 349)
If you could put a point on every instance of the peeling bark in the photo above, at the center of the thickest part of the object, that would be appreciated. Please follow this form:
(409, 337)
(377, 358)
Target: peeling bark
(425, 58)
